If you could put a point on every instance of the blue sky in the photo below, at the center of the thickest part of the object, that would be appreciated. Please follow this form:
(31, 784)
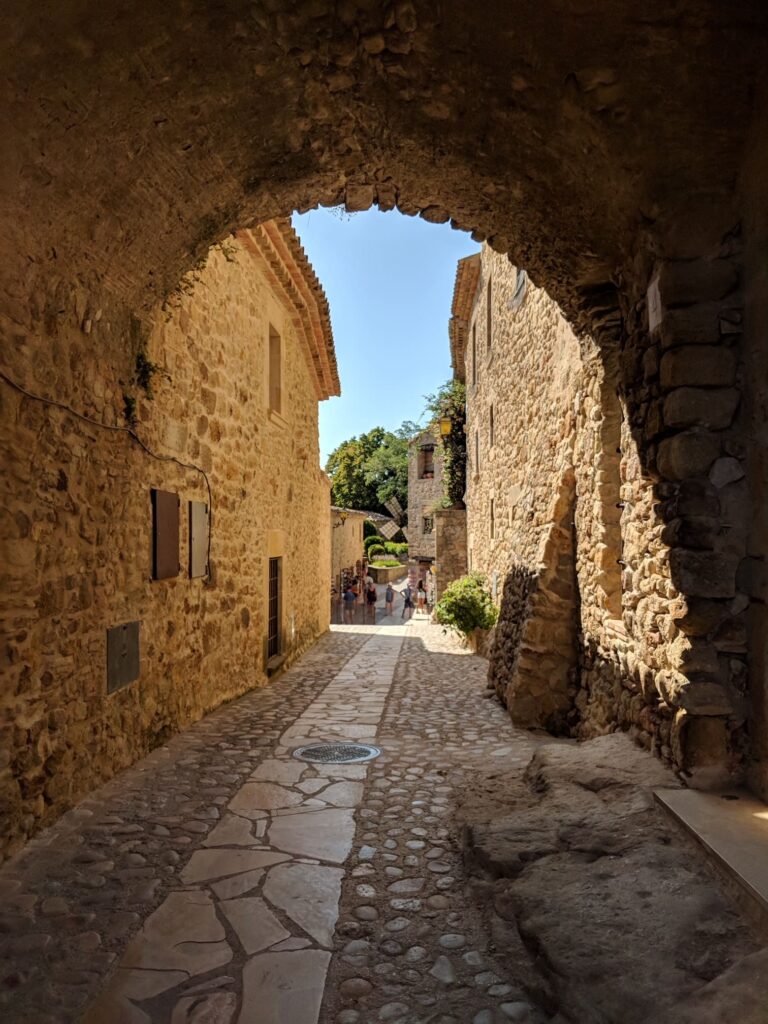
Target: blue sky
(389, 282)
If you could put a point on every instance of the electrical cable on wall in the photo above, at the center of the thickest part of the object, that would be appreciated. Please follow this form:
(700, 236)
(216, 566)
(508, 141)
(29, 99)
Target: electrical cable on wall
(134, 437)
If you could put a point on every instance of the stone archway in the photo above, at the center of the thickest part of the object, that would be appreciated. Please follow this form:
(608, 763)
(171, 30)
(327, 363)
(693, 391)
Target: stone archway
(602, 148)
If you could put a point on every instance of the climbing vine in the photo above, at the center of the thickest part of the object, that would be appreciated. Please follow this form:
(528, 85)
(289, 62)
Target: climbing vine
(145, 372)
(449, 402)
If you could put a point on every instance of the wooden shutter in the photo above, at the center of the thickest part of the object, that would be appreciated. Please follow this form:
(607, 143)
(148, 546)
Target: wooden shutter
(165, 534)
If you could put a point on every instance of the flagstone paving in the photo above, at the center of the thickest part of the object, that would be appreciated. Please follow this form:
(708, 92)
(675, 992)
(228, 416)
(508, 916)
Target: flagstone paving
(206, 882)
(74, 899)
(291, 892)
(222, 881)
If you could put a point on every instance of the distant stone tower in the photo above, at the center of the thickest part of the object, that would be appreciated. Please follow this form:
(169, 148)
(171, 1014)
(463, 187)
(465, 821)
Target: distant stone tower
(425, 491)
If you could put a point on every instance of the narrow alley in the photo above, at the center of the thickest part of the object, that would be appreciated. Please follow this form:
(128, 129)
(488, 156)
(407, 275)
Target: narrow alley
(221, 879)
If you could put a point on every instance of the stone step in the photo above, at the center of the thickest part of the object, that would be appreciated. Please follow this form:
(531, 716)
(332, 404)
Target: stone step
(732, 828)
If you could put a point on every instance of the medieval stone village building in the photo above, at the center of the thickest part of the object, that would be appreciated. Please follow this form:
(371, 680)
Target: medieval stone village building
(165, 544)
(593, 634)
(347, 550)
(159, 587)
(425, 494)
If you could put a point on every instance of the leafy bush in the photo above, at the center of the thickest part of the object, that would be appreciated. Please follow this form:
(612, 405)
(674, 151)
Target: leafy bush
(371, 541)
(393, 548)
(369, 530)
(466, 605)
(384, 563)
(375, 550)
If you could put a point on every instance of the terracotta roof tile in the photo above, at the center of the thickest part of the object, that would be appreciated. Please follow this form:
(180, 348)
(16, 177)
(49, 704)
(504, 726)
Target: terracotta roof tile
(464, 291)
(278, 250)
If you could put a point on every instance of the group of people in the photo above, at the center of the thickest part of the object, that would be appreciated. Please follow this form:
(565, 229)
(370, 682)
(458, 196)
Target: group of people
(411, 599)
(354, 592)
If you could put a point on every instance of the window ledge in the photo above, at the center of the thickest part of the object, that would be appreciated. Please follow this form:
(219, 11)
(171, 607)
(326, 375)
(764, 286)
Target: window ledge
(273, 416)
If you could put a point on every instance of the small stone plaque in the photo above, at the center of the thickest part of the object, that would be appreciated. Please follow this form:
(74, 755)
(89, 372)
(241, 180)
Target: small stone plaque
(122, 655)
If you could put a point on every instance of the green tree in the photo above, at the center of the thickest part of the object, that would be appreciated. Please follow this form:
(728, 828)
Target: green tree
(387, 467)
(368, 470)
(346, 468)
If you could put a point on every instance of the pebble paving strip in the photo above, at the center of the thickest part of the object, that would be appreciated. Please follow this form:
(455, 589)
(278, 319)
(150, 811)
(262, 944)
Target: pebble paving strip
(410, 946)
(75, 896)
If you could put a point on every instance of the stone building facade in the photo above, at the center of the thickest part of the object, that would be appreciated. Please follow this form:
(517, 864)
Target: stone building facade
(425, 492)
(232, 372)
(450, 547)
(602, 623)
(347, 549)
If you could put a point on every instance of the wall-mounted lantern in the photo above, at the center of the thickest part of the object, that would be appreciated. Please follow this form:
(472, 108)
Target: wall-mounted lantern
(341, 517)
(445, 425)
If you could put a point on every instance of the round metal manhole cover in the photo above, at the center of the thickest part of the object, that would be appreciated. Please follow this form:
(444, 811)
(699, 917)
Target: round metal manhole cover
(336, 753)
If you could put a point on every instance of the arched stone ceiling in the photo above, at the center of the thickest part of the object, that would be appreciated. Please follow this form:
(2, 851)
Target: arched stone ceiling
(138, 134)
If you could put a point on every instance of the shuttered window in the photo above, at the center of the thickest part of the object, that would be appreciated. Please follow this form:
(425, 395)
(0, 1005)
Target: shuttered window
(275, 371)
(165, 535)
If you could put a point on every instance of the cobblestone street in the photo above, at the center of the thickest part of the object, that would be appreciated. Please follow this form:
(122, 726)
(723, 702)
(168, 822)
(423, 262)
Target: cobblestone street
(222, 881)
(174, 893)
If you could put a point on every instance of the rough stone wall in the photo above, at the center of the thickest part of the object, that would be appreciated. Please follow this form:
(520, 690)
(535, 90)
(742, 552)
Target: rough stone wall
(684, 379)
(77, 537)
(534, 651)
(622, 564)
(756, 395)
(346, 542)
(450, 547)
(522, 388)
(373, 88)
(423, 497)
(658, 519)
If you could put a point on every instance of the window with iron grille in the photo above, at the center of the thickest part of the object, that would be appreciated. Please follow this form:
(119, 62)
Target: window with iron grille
(273, 619)
(428, 524)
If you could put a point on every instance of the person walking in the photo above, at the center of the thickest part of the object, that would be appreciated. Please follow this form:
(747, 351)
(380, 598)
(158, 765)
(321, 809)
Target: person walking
(407, 601)
(349, 600)
(421, 596)
(389, 599)
(371, 596)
